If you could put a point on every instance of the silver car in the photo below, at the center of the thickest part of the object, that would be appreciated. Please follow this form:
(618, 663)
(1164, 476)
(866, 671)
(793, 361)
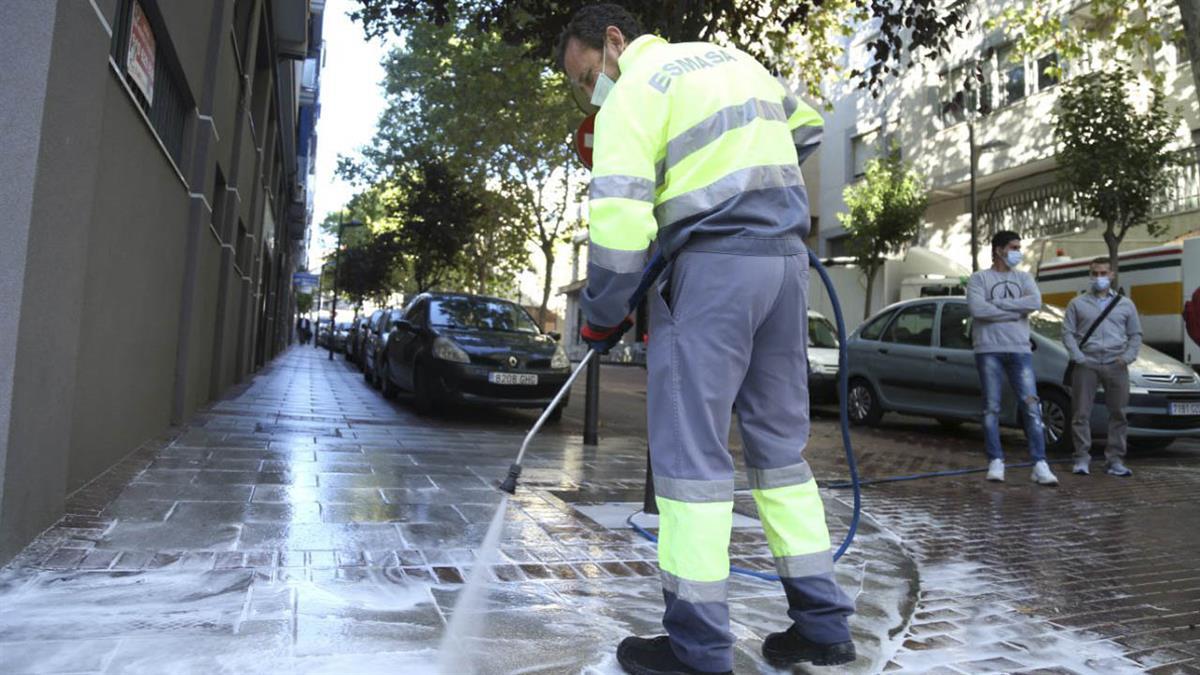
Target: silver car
(915, 358)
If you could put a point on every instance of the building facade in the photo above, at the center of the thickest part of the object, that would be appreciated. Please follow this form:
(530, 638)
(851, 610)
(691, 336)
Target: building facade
(157, 200)
(937, 123)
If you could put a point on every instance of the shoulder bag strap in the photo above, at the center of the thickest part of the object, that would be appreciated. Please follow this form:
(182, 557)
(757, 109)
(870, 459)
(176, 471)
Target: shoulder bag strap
(1100, 319)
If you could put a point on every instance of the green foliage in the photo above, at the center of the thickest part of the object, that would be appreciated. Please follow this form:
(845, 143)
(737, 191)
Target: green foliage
(1129, 32)
(304, 303)
(885, 210)
(1113, 155)
(795, 38)
(371, 268)
(501, 121)
(438, 217)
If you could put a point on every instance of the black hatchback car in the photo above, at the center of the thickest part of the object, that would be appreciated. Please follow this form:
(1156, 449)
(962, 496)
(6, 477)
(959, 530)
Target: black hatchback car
(456, 348)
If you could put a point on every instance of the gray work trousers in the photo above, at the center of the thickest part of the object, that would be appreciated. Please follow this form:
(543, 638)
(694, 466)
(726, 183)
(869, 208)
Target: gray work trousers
(734, 333)
(1085, 382)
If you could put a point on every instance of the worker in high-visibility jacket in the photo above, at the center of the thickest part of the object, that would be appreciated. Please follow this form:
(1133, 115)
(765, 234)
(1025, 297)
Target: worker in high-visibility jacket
(698, 147)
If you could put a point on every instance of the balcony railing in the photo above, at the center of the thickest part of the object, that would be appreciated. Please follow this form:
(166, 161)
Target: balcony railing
(1051, 209)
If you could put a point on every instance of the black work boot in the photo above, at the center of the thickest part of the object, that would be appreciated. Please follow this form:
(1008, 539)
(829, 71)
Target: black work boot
(790, 647)
(654, 656)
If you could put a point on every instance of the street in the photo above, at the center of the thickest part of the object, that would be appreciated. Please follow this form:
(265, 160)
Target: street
(305, 524)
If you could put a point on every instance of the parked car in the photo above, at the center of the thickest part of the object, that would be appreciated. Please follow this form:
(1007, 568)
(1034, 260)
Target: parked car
(354, 338)
(323, 333)
(454, 348)
(822, 358)
(339, 336)
(378, 333)
(915, 357)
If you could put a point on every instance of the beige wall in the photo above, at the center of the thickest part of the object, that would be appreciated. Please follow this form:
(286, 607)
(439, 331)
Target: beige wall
(940, 153)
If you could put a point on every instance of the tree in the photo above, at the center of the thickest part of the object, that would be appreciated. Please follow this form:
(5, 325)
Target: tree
(304, 303)
(371, 268)
(885, 210)
(499, 119)
(1130, 32)
(437, 213)
(1113, 155)
(793, 37)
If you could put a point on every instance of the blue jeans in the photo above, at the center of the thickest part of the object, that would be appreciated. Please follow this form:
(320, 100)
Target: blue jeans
(1018, 368)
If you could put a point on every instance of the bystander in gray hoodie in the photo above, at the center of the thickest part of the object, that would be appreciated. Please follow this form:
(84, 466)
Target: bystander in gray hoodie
(1000, 304)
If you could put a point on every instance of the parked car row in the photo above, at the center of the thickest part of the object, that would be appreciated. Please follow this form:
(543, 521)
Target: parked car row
(339, 335)
(452, 349)
(915, 357)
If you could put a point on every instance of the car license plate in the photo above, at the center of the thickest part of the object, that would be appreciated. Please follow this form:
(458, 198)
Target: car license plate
(1188, 408)
(512, 378)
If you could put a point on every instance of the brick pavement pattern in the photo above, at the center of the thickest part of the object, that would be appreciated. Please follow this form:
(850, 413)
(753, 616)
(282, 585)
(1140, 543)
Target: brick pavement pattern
(304, 524)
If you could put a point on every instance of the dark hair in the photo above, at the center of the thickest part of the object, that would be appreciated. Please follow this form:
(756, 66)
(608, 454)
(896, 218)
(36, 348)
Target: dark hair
(1002, 239)
(1102, 260)
(588, 26)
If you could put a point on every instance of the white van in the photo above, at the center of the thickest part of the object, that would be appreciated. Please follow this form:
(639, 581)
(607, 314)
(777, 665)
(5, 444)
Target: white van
(1163, 282)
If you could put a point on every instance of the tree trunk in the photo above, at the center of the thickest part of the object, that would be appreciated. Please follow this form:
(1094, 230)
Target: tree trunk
(1190, 11)
(870, 287)
(548, 251)
(1114, 245)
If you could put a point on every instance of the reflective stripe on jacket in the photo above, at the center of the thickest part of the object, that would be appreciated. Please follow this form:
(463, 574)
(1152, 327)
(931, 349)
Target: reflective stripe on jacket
(698, 145)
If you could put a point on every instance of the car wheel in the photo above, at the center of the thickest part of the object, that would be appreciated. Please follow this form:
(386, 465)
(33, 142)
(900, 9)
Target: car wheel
(388, 387)
(1150, 444)
(423, 392)
(949, 424)
(1056, 418)
(557, 414)
(862, 405)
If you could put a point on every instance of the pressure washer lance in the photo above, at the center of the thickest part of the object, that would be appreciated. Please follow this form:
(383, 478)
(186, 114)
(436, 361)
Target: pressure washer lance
(509, 484)
(649, 275)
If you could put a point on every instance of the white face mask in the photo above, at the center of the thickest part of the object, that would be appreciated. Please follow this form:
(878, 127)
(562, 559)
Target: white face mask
(604, 83)
(1101, 283)
(1013, 258)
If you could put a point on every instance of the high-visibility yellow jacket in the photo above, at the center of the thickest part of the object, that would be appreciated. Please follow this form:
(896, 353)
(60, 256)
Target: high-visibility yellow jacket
(696, 145)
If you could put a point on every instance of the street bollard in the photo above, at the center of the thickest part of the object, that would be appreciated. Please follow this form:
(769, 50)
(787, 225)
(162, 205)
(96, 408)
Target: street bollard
(591, 404)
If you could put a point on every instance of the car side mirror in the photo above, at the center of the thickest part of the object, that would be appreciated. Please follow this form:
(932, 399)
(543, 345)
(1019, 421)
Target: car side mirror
(402, 324)
(555, 335)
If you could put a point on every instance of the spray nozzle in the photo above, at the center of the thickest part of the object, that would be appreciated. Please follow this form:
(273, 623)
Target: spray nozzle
(509, 484)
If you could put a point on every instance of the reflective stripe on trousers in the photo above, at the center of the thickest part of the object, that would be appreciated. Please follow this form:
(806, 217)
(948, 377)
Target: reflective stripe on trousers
(734, 334)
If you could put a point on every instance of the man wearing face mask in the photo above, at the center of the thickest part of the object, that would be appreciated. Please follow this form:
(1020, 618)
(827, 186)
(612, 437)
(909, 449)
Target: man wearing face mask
(697, 147)
(1000, 300)
(1102, 345)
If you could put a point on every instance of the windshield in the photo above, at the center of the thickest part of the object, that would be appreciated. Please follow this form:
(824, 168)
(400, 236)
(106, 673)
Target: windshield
(821, 333)
(481, 314)
(1047, 322)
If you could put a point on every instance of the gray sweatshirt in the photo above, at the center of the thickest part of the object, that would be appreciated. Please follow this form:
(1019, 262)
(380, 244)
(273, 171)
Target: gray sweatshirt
(1000, 304)
(1120, 336)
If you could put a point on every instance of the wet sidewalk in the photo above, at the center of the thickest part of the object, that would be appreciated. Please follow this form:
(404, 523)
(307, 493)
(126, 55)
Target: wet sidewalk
(306, 525)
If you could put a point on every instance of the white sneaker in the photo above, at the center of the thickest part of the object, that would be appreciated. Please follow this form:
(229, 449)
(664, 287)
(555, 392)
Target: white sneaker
(1042, 474)
(1081, 467)
(996, 470)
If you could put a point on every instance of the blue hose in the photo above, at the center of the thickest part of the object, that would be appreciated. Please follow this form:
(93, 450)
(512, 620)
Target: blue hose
(843, 387)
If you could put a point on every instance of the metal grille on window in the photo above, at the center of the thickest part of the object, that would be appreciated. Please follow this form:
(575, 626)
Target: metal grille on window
(168, 110)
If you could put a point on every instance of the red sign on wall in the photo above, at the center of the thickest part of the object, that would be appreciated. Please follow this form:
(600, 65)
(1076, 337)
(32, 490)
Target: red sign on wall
(585, 140)
(139, 59)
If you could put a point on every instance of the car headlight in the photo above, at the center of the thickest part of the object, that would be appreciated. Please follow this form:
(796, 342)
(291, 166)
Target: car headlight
(446, 350)
(560, 360)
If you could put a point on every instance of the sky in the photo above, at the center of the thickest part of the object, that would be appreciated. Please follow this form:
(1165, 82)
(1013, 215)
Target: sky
(351, 101)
